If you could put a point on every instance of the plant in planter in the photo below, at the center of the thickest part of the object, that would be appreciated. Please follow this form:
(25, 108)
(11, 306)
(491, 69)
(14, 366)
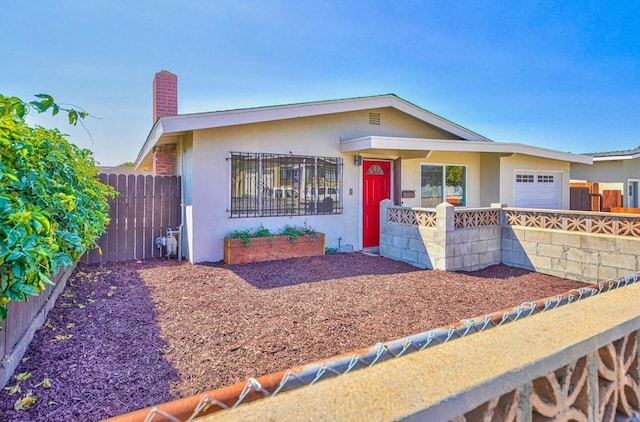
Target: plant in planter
(246, 234)
(295, 232)
(260, 244)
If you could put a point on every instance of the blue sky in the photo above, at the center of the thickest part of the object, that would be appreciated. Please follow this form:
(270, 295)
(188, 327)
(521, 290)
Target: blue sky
(562, 75)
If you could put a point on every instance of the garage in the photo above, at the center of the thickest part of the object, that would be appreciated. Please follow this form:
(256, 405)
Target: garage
(537, 190)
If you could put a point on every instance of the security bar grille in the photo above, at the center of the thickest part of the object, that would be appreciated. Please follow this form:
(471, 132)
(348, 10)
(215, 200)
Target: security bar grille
(271, 185)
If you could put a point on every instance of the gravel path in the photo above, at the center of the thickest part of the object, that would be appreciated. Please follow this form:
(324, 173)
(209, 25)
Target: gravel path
(130, 335)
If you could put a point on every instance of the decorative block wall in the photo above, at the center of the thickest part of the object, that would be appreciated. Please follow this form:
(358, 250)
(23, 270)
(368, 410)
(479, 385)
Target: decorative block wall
(443, 239)
(587, 247)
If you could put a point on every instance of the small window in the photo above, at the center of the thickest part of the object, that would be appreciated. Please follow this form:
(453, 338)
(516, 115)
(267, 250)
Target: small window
(545, 178)
(375, 170)
(525, 178)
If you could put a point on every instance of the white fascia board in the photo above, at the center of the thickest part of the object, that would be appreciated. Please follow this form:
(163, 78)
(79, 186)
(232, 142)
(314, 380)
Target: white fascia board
(617, 157)
(198, 121)
(152, 140)
(419, 144)
(188, 122)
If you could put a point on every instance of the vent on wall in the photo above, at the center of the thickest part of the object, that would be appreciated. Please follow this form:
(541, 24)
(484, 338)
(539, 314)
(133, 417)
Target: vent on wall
(374, 119)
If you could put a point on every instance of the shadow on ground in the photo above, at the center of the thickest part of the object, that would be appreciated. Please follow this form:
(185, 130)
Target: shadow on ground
(497, 272)
(290, 272)
(100, 349)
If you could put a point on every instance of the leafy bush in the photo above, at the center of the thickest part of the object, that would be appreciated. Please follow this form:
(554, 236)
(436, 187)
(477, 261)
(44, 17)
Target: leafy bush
(294, 232)
(52, 206)
(261, 231)
(245, 235)
(291, 231)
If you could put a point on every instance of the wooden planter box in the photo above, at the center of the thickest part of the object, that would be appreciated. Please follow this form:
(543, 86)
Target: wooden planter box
(268, 249)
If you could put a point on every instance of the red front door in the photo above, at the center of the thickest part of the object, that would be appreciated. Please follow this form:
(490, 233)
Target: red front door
(376, 186)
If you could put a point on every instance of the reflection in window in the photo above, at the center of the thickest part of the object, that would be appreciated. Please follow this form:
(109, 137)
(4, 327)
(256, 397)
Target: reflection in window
(439, 183)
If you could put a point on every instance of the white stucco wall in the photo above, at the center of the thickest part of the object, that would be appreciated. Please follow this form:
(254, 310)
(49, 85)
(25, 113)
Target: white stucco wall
(632, 168)
(317, 136)
(489, 178)
(602, 186)
(517, 162)
(185, 169)
(600, 171)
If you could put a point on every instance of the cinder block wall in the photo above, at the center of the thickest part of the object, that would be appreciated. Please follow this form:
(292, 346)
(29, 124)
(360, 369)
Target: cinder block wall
(441, 247)
(412, 244)
(578, 256)
(586, 257)
(474, 248)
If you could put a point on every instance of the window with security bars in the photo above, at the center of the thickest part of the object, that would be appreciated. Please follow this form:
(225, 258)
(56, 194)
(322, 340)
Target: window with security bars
(271, 185)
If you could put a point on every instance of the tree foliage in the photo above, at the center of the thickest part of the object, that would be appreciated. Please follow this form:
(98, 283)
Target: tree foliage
(52, 206)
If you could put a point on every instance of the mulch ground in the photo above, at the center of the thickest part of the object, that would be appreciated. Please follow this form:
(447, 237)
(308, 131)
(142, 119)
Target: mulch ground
(124, 336)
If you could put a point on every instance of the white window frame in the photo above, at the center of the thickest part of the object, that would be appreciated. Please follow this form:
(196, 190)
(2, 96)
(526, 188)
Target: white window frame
(444, 176)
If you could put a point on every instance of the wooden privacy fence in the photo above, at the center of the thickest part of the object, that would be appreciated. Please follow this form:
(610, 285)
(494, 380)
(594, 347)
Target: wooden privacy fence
(586, 197)
(579, 199)
(142, 211)
(23, 320)
(611, 199)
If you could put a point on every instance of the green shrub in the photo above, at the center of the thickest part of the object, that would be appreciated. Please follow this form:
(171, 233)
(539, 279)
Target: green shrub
(245, 235)
(291, 231)
(262, 231)
(294, 232)
(52, 206)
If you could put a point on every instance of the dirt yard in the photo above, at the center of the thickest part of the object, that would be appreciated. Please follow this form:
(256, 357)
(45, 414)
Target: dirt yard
(129, 335)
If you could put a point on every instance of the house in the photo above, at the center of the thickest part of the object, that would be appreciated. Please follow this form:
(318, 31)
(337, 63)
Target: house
(329, 164)
(615, 170)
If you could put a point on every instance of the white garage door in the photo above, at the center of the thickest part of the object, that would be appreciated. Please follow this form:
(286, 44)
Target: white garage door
(537, 190)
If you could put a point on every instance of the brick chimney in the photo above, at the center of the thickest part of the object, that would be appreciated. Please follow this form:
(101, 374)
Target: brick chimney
(165, 158)
(165, 103)
(165, 95)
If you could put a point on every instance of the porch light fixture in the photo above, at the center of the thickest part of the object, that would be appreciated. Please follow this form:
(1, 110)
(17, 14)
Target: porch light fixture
(357, 160)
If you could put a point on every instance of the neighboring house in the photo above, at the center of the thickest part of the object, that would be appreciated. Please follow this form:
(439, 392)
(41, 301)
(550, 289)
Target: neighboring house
(330, 163)
(617, 170)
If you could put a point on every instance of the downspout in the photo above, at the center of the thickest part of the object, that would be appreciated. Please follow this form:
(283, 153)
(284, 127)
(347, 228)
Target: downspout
(183, 211)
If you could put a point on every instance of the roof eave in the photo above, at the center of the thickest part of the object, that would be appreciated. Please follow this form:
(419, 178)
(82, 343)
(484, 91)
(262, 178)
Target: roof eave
(190, 122)
(421, 144)
(617, 157)
(153, 137)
